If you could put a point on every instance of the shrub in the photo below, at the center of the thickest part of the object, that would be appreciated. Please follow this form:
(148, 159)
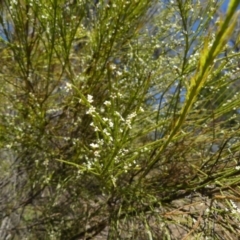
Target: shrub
(119, 119)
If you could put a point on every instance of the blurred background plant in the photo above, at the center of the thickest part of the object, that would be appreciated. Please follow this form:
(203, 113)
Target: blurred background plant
(119, 120)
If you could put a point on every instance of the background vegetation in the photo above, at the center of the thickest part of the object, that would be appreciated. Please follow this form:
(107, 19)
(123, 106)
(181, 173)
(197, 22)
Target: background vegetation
(119, 120)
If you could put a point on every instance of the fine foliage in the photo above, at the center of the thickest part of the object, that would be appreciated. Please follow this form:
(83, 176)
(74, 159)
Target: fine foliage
(119, 120)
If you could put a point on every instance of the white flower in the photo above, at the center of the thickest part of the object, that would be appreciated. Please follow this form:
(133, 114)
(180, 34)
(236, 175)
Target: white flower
(105, 131)
(96, 129)
(132, 115)
(235, 207)
(94, 145)
(119, 95)
(68, 87)
(110, 124)
(100, 142)
(237, 167)
(9, 146)
(107, 103)
(112, 66)
(105, 119)
(96, 154)
(128, 123)
(91, 110)
(119, 73)
(89, 165)
(90, 98)
(129, 119)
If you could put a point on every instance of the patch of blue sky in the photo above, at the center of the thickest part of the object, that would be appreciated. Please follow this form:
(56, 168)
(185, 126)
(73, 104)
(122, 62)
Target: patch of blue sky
(5, 31)
(224, 6)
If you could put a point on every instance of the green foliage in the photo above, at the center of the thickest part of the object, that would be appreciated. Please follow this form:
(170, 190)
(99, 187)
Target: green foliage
(118, 119)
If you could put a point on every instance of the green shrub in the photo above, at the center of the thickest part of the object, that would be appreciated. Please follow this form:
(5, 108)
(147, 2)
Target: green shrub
(119, 119)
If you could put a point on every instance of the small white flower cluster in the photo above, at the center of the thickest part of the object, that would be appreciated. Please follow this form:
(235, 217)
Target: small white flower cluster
(8, 146)
(68, 87)
(193, 59)
(89, 163)
(12, 7)
(237, 167)
(94, 145)
(235, 207)
(90, 98)
(96, 129)
(129, 119)
(107, 135)
(108, 122)
(95, 151)
(91, 110)
(121, 155)
(107, 103)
